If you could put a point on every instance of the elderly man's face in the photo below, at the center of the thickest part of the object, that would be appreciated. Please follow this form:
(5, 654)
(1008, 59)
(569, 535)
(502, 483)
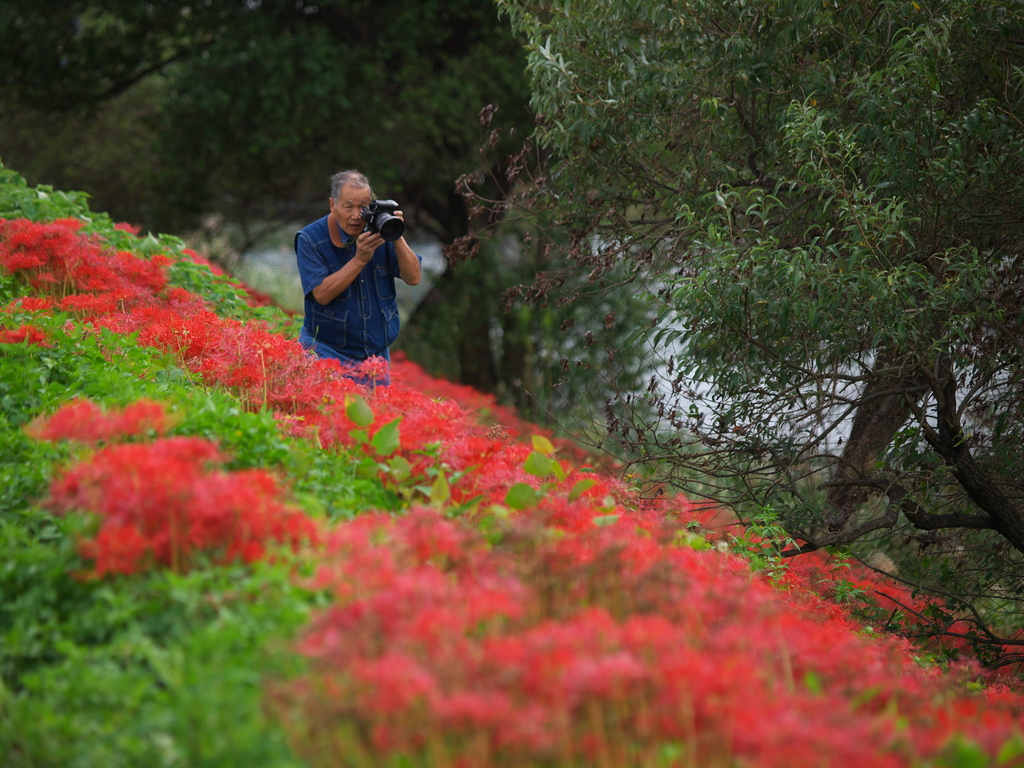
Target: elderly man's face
(348, 208)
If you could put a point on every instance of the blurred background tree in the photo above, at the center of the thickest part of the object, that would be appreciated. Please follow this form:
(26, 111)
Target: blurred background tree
(230, 115)
(245, 108)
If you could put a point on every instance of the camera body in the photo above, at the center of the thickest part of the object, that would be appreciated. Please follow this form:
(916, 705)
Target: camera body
(379, 217)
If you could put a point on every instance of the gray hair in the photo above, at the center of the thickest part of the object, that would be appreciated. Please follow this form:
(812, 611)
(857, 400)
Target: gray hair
(351, 178)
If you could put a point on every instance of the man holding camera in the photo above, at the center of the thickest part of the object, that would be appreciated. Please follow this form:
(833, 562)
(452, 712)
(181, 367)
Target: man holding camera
(348, 262)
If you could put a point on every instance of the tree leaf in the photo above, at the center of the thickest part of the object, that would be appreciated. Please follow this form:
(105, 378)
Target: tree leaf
(440, 491)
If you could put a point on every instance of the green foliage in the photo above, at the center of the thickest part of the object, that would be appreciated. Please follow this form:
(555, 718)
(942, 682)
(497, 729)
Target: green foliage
(155, 670)
(763, 541)
(24, 471)
(85, 363)
(251, 439)
(548, 360)
(259, 103)
(39, 203)
(332, 484)
(541, 463)
(824, 199)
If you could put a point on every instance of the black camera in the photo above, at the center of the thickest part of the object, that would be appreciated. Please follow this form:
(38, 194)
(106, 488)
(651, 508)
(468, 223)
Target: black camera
(379, 217)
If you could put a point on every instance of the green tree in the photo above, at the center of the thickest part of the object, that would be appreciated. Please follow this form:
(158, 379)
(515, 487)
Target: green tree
(826, 200)
(555, 363)
(252, 105)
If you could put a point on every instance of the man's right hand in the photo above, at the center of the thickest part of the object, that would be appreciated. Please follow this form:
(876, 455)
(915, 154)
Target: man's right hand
(366, 244)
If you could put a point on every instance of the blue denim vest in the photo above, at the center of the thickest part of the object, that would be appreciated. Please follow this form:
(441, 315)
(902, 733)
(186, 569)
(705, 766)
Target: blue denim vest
(361, 321)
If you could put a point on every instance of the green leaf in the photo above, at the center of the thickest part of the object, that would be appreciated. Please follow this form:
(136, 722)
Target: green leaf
(692, 540)
(522, 496)
(963, 753)
(603, 520)
(359, 413)
(542, 445)
(368, 468)
(581, 487)
(440, 492)
(399, 468)
(538, 465)
(813, 683)
(1012, 749)
(387, 440)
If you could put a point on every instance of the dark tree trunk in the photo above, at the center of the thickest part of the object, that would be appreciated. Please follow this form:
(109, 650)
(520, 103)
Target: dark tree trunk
(884, 408)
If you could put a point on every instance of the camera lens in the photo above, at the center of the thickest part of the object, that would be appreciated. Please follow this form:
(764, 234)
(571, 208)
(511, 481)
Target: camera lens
(391, 227)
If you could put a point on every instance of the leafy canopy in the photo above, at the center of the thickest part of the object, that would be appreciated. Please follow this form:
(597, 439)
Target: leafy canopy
(252, 105)
(826, 200)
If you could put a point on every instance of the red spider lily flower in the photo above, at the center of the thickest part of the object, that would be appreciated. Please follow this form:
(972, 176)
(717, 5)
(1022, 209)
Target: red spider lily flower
(198, 258)
(391, 684)
(25, 334)
(30, 304)
(26, 245)
(90, 304)
(84, 421)
(172, 495)
(117, 550)
(56, 257)
(375, 369)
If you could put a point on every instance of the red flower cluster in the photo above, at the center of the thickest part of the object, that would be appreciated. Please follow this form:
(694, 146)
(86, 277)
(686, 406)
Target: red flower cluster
(264, 369)
(85, 422)
(583, 630)
(29, 304)
(928, 620)
(58, 260)
(607, 646)
(24, 334)
(503, 421)
(167, 503)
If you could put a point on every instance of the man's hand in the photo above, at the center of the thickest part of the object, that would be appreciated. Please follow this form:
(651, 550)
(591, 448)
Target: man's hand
(335, 283)
(366, 244)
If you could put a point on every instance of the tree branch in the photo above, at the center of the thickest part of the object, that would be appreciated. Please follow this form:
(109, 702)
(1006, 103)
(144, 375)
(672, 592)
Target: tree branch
(120, 87)
(949, 441)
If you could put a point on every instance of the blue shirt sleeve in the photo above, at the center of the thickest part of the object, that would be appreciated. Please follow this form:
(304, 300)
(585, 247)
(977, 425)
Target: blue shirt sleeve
(313, 266)
(391, 253)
